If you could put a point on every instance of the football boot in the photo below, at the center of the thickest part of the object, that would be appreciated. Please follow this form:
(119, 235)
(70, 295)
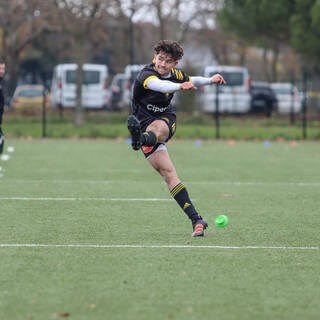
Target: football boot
(135, 131)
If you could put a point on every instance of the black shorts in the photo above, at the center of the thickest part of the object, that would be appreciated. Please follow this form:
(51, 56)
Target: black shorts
(146, 119)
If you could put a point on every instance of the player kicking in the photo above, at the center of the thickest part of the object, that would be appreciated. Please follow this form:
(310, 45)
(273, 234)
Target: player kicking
(153, 121)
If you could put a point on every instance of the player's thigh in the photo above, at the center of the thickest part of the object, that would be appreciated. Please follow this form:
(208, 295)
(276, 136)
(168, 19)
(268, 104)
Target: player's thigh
(160, 128)
(160, 161)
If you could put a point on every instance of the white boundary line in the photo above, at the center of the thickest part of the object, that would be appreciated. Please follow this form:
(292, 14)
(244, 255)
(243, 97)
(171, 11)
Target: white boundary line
(300, 184)
(35, 245)
(82, 199)
(233, 183)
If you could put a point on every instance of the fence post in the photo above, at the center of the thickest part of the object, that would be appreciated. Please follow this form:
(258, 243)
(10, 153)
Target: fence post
(292, 116)
(304, 104)
(44, 112)
(217, 113)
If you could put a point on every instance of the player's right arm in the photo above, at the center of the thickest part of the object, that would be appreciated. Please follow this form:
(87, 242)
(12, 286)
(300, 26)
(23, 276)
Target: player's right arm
(166, 86)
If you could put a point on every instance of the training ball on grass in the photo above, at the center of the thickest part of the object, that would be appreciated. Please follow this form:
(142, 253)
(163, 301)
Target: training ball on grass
(221, 221)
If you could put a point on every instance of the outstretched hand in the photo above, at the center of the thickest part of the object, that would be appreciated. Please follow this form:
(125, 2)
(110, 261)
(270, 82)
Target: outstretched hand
(2, 69)
(187, 86)
(217, 78)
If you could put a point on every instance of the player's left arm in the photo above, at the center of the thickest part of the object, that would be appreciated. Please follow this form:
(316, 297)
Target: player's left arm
(202, 81)
(185, 82)
(218, 78)
(192, 82)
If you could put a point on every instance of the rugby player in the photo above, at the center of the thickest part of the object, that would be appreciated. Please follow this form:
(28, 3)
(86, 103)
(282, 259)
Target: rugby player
(153, 121)
(2, 72)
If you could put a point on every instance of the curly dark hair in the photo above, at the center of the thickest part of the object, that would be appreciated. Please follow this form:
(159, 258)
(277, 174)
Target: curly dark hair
(169, 47)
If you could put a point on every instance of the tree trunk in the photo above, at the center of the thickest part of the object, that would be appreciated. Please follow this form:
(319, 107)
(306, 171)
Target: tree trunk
(12, 67)
(161, 20)
(265, 64)
(79, 111)
(275, 59)
(242, 55)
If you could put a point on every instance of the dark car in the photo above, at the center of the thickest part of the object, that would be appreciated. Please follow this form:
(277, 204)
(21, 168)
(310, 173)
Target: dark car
(263, 99)
(117, 90)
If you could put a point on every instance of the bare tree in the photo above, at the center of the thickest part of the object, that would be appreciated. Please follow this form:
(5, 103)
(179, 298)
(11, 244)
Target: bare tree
(22, 23)
(175, 17)
(81, 21)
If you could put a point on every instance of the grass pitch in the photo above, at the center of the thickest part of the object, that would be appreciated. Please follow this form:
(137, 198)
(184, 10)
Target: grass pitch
(88, 231)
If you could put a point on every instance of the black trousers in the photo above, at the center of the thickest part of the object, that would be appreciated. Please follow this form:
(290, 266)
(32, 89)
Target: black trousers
(1, 106)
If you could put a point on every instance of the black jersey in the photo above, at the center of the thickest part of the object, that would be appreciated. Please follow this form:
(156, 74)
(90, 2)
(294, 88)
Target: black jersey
(1, 100)
(154, 102)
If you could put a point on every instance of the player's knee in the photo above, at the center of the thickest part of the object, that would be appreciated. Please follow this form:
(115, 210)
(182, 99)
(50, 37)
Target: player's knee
(162, 134)
(160, 129)
(162, 137)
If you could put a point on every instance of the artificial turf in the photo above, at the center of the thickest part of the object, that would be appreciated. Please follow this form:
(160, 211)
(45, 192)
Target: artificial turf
(110, 243)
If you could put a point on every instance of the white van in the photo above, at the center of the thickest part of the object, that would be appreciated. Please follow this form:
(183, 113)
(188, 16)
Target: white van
(95, 92)
(288, 97)
(234, 97)
(131, 71)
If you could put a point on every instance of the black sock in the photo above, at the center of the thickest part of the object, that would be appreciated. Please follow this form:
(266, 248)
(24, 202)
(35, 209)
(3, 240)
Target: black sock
(180, 194)
(149, 139)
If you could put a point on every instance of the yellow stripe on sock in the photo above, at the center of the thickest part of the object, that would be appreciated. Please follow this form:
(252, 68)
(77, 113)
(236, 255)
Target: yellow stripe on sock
(176, 192)
(177, 189)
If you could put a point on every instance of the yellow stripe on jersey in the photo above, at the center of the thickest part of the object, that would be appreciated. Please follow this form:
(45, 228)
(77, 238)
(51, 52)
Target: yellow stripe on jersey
(178, 74)
(146, 81)
(154, 62)
(190, 80)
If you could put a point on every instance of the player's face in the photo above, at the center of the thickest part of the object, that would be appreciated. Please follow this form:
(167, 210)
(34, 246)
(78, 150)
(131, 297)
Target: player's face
(164, 63)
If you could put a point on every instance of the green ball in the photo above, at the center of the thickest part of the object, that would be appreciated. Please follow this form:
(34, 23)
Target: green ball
(221, 221)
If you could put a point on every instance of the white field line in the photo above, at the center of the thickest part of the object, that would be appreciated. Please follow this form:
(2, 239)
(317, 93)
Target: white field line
(88, 171)
(124, 246)
(299, 184)
(234, 183)
(82, 199)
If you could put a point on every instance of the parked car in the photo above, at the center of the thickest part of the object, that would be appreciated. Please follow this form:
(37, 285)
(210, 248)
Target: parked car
(131, 71)
(263, 98)
(28, 97)
(234, 97)
(117, 89)
(95, 89)
(288, 97)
